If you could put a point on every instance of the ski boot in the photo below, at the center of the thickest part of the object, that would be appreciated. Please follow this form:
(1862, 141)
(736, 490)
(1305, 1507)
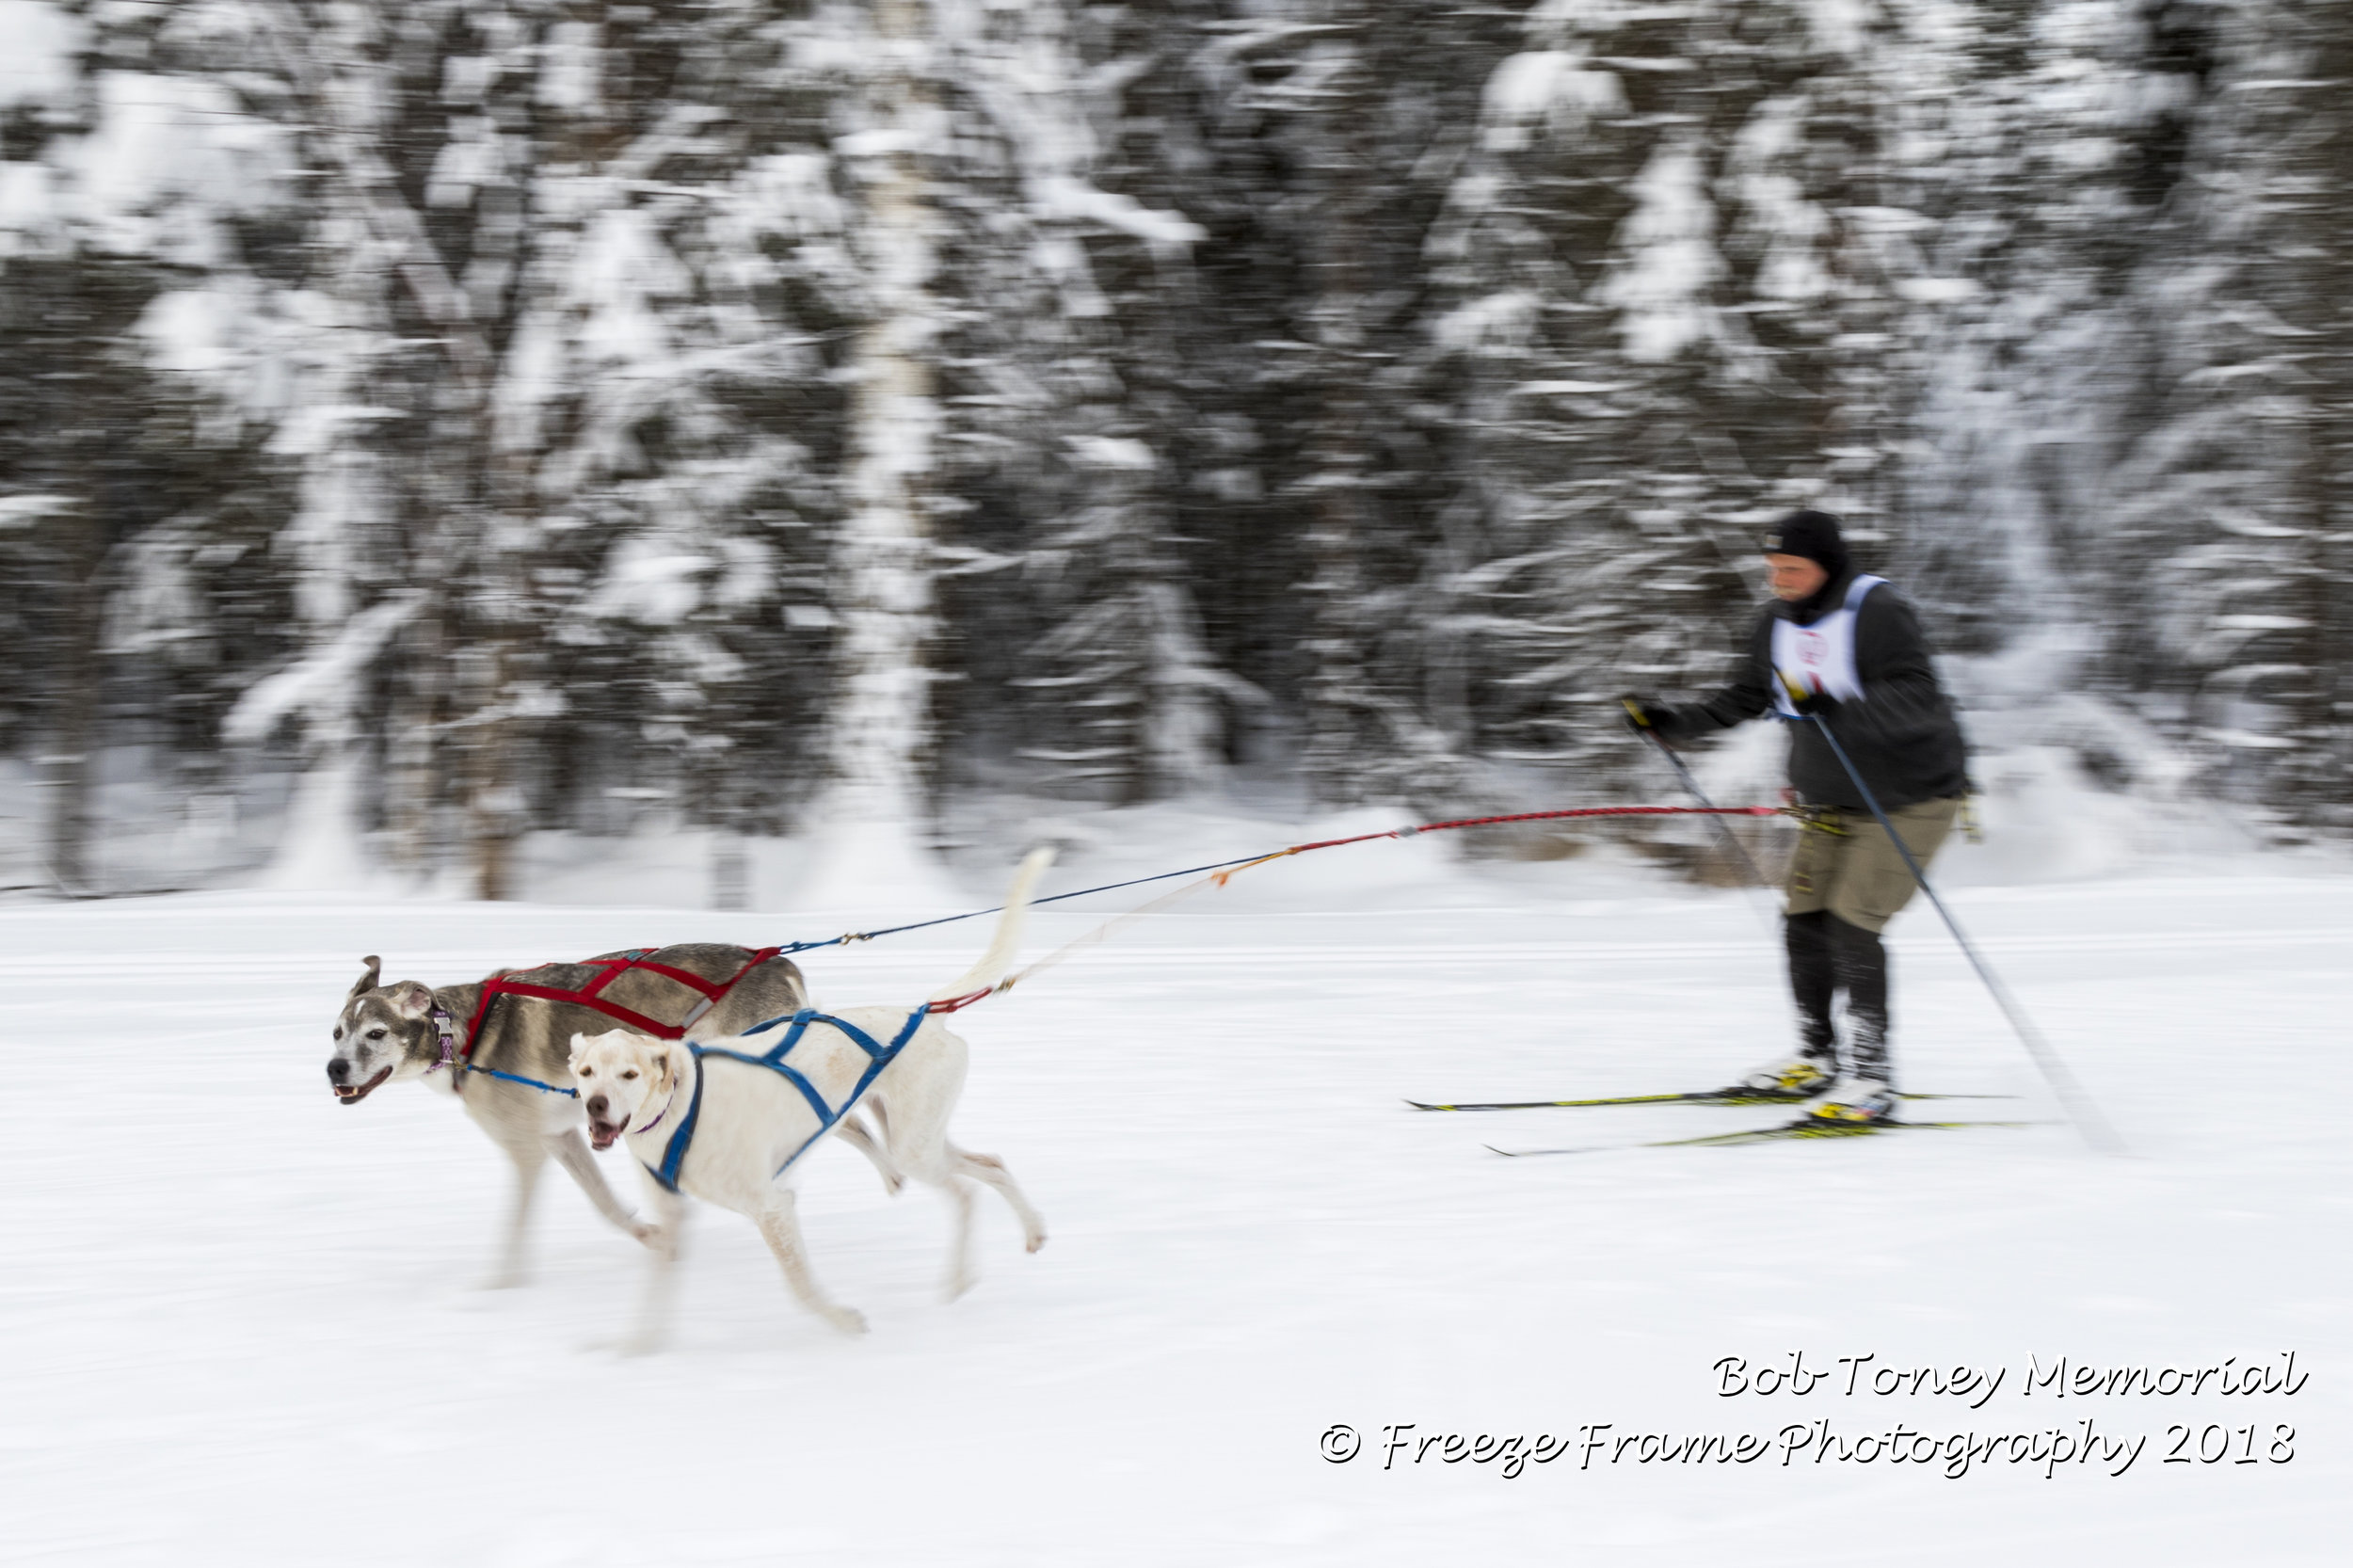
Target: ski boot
(1854, 1101)
(1797, 1078)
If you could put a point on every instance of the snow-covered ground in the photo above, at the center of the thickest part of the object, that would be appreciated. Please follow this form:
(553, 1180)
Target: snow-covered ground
(239, 1321)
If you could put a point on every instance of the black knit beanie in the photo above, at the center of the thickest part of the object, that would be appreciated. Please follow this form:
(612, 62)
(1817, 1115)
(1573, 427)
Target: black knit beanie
(1812, 536)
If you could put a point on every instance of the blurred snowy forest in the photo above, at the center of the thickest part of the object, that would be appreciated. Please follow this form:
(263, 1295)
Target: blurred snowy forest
(425, 421)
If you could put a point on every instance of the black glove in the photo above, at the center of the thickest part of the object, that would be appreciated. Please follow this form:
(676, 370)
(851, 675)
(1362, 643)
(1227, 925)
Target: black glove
(1647, 716)
(1814, 705)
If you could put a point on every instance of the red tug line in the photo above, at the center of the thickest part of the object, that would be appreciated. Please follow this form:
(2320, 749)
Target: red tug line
(1552, 816)
(712, 991)
(1225, 869)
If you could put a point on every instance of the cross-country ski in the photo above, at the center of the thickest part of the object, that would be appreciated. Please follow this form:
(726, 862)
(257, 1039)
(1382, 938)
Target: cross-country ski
(1701, 1097)
(1807, 1126)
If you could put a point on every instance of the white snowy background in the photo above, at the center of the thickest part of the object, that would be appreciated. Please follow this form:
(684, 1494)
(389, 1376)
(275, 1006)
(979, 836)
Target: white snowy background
(243, 1322)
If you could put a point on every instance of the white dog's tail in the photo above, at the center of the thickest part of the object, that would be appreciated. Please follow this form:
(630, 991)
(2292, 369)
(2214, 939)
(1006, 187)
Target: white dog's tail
(1007, 941)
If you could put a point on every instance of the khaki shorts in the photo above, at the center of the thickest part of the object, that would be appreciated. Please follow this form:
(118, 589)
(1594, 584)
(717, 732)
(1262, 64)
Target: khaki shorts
(1856, 874)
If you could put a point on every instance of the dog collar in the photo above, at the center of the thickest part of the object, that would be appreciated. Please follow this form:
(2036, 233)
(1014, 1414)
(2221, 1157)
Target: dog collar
(658, 1115)
(447, 1030)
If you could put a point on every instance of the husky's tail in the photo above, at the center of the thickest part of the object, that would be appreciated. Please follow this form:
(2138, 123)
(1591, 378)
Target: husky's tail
(1007, 941)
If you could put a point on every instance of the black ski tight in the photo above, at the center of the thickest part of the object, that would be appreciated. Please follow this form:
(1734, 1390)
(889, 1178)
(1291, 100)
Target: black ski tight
(1827, 956)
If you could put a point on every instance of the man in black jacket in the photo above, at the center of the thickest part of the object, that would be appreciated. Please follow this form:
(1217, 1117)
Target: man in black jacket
(1845, 650)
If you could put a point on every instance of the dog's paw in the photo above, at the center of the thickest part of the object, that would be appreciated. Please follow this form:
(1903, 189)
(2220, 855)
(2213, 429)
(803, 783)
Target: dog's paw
(1037, 1240)
(646, 1234)
(849, 1319)
(507, 1279)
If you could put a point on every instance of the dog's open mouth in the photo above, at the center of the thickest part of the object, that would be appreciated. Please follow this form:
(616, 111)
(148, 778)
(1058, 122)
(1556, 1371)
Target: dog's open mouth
(352, 1094)
(602, 1134)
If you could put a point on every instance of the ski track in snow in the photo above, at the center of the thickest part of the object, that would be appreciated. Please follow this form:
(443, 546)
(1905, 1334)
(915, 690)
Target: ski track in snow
(241, 1321)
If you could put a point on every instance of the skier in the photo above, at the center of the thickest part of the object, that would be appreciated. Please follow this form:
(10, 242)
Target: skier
(1843, 649)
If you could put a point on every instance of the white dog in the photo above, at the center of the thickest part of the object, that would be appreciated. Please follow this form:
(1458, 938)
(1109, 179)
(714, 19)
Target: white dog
(727, 1120)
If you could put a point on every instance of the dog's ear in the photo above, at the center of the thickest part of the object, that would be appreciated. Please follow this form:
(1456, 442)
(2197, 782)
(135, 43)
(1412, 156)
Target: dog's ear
(368, 980)
(580, 1048)
(665, 1069)
(410, 999)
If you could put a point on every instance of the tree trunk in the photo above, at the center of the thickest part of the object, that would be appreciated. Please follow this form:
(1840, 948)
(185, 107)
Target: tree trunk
(1342, 763)
(882, 716)
(86, 471)
(74, 738)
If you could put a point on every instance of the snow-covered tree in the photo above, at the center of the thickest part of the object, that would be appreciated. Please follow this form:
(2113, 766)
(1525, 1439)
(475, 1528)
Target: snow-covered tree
(2231, 514)
(1666, 279)
(144, 189)
(1058, 530)
(567, 240)
(743, 415)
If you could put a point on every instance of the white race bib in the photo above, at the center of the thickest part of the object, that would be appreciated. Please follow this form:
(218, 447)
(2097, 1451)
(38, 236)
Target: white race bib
(1820, 657)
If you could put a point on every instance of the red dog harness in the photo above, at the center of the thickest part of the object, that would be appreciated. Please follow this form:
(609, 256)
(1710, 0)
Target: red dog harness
(460, 1059)
(612, 969)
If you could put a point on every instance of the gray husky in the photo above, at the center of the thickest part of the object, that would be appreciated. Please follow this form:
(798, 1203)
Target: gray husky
(514, 1082)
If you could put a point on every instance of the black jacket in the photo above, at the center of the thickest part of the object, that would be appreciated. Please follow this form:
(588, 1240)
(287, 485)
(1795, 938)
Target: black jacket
(1901, 733)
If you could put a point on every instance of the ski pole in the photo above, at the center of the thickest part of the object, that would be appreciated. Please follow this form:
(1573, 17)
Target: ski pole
(1723, 833)
(2071, 1094)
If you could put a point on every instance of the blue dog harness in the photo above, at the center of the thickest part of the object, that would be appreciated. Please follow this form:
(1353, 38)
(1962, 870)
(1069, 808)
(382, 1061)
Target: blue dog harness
(877, 1058)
